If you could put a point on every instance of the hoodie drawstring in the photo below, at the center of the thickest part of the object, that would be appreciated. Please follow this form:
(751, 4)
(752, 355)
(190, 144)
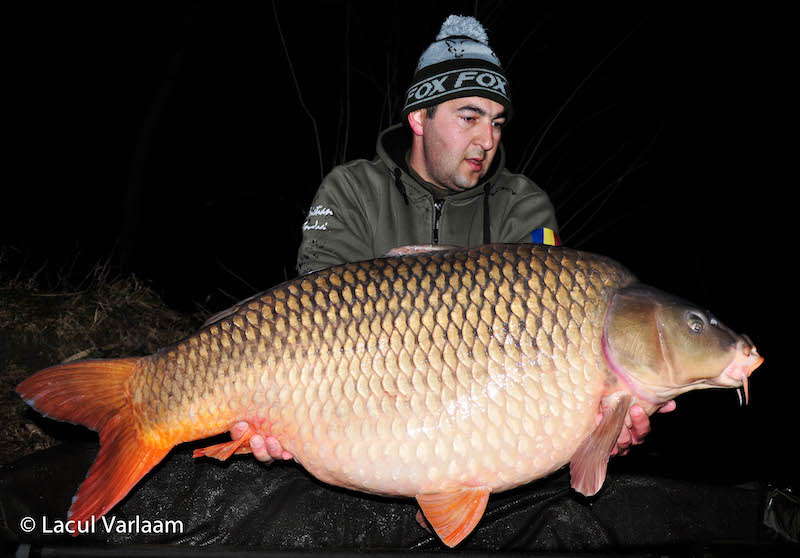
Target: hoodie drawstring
(487, 236)
(399, 184)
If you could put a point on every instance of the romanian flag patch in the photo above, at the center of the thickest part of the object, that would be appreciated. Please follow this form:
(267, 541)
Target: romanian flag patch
(545, 236)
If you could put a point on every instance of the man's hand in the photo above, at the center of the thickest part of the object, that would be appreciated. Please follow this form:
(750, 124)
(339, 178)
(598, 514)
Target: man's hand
(264, 449)
(637, 425)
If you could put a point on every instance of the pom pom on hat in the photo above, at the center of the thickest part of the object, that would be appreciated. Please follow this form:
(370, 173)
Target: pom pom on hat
(463, 26)
(459, 63)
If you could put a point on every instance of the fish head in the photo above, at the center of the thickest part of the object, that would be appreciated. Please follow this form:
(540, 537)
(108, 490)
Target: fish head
(662, 346)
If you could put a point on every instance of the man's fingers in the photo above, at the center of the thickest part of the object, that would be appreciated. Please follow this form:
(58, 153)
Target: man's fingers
(640, 424)
(238, 429)
(636, 427)
(668, 406)
(623, 442)
(264, 449)
(423, 522)
(260, 450)
(624, 439)
(274, 447)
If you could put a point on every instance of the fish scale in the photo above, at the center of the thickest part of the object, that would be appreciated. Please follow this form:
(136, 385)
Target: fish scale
(443, 374)
(362, 367)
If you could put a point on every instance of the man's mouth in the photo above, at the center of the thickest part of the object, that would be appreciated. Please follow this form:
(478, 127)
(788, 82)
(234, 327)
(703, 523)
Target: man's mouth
(475, 164)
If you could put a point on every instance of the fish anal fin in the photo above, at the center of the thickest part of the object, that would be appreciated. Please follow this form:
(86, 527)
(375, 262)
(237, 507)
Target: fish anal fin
(589, 464)
(453, 515)
(226, 449)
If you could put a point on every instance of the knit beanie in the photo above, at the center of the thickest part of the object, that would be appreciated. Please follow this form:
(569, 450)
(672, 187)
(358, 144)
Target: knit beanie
(459, 63)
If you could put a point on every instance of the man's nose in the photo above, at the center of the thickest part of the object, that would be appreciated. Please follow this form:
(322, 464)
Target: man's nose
(485, 137)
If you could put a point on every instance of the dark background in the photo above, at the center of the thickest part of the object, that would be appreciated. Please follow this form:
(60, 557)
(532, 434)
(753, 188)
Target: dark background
(176, 141)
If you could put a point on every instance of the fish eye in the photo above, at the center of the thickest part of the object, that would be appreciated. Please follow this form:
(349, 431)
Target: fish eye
(695, 321)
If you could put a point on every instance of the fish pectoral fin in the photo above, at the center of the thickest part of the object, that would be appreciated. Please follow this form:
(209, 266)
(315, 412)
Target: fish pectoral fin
(589, 464)
(226, 449)
(453, 515)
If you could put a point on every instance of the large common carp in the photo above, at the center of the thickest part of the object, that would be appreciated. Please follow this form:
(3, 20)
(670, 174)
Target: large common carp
(444, 375)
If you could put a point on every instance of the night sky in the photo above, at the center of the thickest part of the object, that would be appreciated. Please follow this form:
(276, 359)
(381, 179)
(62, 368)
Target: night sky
(176, 141)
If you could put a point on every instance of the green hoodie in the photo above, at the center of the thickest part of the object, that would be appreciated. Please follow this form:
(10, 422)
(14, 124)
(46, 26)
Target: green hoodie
(364, 209)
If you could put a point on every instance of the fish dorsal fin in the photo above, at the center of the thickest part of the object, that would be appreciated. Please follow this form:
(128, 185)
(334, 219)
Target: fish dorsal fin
(588, 466)
(413, 249)
(453, 515)
(229, 311)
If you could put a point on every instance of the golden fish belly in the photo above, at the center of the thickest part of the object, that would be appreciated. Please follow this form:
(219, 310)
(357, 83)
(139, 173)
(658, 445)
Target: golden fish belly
(403, 375)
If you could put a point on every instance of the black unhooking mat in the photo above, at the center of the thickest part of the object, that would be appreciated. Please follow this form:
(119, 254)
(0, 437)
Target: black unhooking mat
(243, 504)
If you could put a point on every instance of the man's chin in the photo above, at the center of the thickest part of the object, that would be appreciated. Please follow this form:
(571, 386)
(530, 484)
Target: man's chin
(468, 184)
(462, 182)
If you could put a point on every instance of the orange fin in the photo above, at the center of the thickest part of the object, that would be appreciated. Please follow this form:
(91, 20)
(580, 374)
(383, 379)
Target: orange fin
(122, 461)
(86, 392)
(226, 449)
(94, 393)
(589, 464)
(453, 515)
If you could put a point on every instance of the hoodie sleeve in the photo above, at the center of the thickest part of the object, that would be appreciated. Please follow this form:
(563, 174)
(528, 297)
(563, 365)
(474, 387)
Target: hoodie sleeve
(526, 210)
(336, 229)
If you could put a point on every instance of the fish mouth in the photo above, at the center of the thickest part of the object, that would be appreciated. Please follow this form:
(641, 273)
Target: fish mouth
(736, 374)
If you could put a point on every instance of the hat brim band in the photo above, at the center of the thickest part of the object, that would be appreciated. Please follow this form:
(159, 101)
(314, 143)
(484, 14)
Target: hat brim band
(461, 82)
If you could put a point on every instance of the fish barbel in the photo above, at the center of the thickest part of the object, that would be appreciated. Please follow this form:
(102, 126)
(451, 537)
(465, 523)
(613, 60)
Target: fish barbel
(443, 375)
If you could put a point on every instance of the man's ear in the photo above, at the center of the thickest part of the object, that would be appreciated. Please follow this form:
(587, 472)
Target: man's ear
(415, 121)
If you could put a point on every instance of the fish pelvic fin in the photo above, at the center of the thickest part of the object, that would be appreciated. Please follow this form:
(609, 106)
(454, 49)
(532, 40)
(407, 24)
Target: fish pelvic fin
(590, 463)
(453, 515)
(226, 449)
(95, 393)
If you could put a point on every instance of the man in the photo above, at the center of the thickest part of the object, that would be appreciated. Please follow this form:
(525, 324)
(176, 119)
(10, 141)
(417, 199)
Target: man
(450, 186)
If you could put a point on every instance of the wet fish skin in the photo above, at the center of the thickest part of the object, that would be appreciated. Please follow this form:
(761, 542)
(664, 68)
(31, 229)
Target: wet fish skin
(445, 375)
(401, 375)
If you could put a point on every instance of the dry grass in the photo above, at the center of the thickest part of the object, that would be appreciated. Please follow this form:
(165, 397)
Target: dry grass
(104, 318)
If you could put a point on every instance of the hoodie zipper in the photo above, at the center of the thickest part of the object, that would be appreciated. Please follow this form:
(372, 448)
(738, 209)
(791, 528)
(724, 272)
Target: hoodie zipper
(437, 217)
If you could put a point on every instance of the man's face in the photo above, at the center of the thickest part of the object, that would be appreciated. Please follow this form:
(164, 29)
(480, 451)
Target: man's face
(460, 142)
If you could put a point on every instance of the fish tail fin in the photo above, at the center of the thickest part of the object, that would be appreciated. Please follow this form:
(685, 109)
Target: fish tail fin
(95, 393)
